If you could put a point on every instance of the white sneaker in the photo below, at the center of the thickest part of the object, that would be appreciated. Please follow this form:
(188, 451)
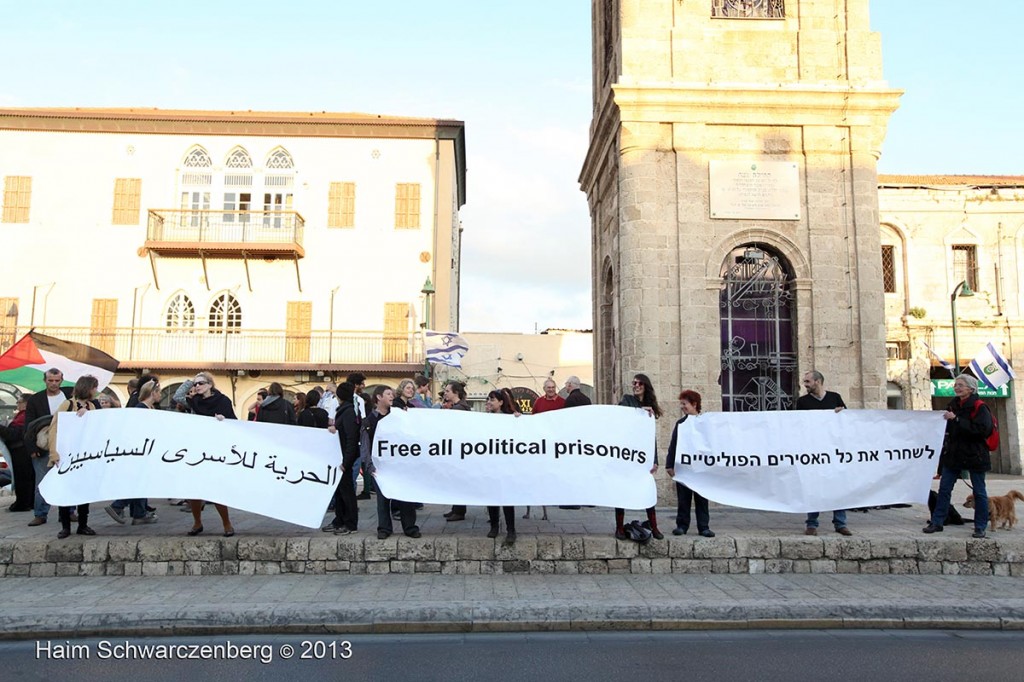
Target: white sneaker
(115, 514)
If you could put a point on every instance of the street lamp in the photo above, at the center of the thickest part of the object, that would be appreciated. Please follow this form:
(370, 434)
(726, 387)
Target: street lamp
(964, 290)
(427, 291)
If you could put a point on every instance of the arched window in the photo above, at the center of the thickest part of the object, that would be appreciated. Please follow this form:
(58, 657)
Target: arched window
(181, 314)
(197, 158)
(758, 345)
(196, 180)
(238, 158)
(278, 182)
(225, 314)
(237, 186)
(280, 159)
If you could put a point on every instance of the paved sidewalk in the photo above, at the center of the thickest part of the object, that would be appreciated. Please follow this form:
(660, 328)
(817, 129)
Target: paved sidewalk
(124, 606)
(875, 524)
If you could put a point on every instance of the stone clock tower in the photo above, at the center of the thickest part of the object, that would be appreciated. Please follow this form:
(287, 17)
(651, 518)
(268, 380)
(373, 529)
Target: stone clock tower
(731, 178)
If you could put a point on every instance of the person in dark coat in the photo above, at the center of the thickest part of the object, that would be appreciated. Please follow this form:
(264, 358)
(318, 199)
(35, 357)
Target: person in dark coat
(40, 405)
(968, 425)
(13, 435)
(313, 416)
(275, 409)
(641, 397)
(346, 425)
(574, 396)
(206, 401)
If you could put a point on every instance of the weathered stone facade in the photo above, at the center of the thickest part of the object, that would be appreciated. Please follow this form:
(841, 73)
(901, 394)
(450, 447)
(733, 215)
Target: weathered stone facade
(936, 232)
(674, 91)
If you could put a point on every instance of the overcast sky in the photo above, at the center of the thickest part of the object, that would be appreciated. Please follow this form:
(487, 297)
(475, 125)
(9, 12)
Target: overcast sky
(517, 73)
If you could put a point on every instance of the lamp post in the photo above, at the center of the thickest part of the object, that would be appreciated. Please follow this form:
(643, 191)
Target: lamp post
(964, 290)
(427, 291)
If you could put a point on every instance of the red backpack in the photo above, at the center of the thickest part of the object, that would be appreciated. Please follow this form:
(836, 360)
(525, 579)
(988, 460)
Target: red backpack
(992, 441)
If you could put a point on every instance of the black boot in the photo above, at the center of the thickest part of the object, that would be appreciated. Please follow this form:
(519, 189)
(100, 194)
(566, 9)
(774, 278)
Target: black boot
(493, 532)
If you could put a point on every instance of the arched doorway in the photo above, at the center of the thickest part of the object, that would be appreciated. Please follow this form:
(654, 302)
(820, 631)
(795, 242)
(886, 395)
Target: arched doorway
(757, 331)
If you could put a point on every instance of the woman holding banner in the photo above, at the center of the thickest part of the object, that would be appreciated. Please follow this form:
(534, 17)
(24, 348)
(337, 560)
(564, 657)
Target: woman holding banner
(689, 404)
(206, 401)
(968, 426)
(499, 402)
(80, 402)
(642, 397)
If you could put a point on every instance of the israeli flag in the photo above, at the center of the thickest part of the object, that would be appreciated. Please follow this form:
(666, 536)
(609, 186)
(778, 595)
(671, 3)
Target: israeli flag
(991, 368)
(444, 348)
(942, 361)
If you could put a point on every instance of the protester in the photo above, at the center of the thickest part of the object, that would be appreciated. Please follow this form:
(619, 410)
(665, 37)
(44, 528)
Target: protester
(422, 398)
(817, 398)
(499, 402)
(13, 435)
(80, 402)
(328, 402)
(146, 398)
(642, 397)
(550, 400)
(406, 395)
(968, 425)
(690, 406)
(299, 404)
(346, 425)
(39, 406)
(202, 398)
(275, 408)
(454, 396)
(313, 416)
(575, 397)
(383, 399)
(254, 407)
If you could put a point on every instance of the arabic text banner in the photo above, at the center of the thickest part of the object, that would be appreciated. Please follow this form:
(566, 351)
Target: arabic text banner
(285, 472)
(815, 460)
(600, 455)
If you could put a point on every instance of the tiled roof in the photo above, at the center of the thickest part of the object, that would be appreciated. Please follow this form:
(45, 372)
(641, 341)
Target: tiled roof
(952, 180)
(154, 114)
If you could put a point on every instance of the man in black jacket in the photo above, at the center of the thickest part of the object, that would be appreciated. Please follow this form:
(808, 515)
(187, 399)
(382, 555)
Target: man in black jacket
(575, 397)
(43, 404)
(346, 425)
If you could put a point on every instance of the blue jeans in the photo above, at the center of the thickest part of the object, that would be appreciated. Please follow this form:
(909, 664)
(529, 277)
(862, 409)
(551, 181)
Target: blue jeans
(946, 483)
(136, 506)
(838, 519)
(41, 508)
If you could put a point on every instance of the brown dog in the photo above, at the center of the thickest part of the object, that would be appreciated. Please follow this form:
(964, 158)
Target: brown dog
(1000, 509)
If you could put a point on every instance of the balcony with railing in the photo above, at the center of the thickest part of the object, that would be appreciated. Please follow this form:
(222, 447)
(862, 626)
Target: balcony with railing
(233, 348)
(226, 234)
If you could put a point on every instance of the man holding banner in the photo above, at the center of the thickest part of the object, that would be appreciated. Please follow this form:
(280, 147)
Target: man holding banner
(817, 398)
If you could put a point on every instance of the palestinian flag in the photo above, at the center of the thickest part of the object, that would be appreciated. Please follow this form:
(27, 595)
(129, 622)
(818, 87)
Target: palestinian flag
(25, 363)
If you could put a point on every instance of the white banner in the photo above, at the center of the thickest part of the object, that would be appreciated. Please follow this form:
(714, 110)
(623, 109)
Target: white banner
(599, 454)
(285, 472)
(813, 460)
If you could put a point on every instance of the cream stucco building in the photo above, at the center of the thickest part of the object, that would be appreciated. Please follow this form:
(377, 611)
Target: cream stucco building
(936, 232)
(290, 247)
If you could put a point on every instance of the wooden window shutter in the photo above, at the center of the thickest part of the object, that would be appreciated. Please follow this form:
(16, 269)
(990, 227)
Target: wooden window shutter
(17, 198)
(396, 332)
(104, 324)
(127, 201)
(407, 205)
(299, 323)
(341, 210)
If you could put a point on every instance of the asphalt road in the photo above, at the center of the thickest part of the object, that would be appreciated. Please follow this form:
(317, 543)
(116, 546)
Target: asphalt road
(764, 656)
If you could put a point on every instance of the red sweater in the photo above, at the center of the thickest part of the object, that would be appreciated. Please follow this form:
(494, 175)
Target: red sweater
(542, 404)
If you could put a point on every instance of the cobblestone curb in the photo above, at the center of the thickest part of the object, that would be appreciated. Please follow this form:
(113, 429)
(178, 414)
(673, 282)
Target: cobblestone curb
(559, 555)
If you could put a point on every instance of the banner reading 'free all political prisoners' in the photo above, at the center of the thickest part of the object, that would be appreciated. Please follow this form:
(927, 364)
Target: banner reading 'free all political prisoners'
(815, 460)
(288, 473)
(599, 454)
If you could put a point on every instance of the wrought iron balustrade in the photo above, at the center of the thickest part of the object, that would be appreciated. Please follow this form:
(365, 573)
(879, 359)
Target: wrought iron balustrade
(259, 229)
(192, 346)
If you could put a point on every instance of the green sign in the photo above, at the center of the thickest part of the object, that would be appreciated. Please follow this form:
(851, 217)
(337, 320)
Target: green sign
(943, 388)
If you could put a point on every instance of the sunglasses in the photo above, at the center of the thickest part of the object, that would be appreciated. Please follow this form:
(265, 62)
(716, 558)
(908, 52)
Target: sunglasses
(200, 383)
